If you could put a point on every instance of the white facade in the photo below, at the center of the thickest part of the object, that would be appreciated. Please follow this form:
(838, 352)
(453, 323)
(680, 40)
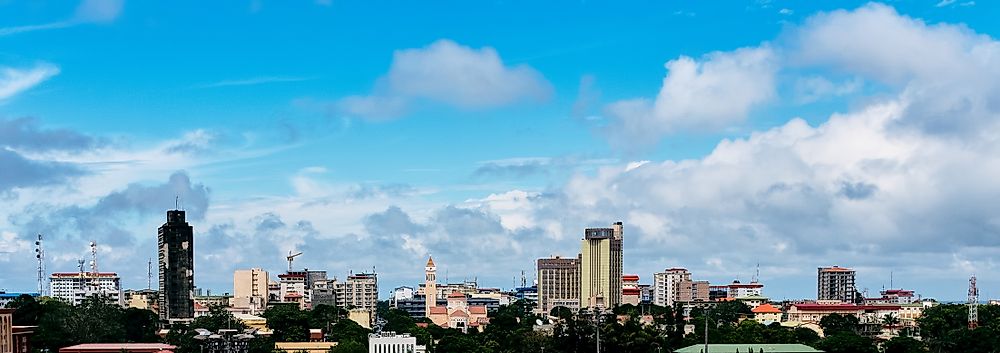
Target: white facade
(665, 285)
(390, 342)
(402, 293)
(74, 287)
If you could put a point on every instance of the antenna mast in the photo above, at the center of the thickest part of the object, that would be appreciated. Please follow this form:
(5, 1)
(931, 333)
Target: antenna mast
(973, 304)
(40, 255)
(149, 274)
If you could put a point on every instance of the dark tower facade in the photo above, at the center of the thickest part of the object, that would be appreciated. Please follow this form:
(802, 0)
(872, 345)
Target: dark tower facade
(176, 250)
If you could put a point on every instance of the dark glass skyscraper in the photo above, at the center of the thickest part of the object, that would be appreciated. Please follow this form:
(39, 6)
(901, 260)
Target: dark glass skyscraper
(176, 248)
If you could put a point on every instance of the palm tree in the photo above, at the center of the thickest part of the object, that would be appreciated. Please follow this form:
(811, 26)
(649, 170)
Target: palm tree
(892, 322)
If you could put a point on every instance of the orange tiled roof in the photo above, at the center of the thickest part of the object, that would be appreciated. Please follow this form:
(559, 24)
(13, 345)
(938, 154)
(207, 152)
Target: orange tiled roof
(766, 309)
(439, 310)
(456, 295)
(459, 313)
(477, 310)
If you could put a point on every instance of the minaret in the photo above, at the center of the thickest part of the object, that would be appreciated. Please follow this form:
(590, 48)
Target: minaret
(430, 287)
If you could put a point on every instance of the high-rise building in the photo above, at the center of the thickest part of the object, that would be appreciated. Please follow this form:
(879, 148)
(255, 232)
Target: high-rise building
(666, 285)
(250, 289)
(176, 253)
(558, 283)
(74, 287)
(835, 283)
(359, 291)
(601, 267)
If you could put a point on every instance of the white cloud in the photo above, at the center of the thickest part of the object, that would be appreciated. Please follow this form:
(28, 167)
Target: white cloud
(813, 88)
(14, 81)
(449, 73)
(947, 73)
(95, 11)
(255, 81)
(88, 11)
(944, 3)
(712, 93)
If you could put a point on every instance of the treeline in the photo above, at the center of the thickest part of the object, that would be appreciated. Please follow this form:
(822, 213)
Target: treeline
(95, 320)
(943, 329)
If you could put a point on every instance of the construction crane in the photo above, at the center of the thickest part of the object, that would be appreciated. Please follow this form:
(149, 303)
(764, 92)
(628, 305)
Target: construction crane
(973, 304)
(291, 257)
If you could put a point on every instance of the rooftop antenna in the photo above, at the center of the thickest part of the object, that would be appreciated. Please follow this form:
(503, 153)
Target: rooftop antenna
(93, 258)
(523, 280)
(890, 280)
(40, 256)
(756, 276)
(177, 201)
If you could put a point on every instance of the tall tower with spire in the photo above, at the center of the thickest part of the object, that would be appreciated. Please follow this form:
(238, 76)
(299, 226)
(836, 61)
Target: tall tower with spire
(430, 287)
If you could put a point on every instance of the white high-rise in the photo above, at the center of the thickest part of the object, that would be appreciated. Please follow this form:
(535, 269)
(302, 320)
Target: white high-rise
(666, 286)
(74, 287)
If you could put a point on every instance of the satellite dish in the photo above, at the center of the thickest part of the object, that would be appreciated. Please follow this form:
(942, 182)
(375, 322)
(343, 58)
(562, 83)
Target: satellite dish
(538, 322)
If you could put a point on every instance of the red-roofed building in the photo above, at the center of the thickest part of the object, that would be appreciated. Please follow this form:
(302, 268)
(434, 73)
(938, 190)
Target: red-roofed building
(631, 294)
(766, 314)
(458, 314)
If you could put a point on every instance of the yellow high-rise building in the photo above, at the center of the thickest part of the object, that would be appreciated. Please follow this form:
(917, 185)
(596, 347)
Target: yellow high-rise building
(601, 267)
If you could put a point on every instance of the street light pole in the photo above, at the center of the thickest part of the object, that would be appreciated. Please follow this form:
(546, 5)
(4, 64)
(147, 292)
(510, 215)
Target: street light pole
(707, 311)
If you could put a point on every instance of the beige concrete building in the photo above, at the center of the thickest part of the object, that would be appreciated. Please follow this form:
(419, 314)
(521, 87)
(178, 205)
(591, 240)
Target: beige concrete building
(359, 291)
(558, 283)
(601, 267)
(250, 289)
(692, 291)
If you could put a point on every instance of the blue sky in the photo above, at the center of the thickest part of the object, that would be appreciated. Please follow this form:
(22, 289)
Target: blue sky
(790, 134)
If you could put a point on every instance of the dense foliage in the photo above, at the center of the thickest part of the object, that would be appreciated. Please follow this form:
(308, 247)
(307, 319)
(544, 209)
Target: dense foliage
(94, 320)
(512, 328)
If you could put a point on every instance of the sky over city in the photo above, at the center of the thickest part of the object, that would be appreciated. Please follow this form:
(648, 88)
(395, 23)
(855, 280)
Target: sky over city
(779, 135)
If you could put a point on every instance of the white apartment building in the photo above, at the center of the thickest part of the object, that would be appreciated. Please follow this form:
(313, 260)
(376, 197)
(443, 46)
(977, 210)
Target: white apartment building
(74, 287)
(390, 342)
(666, 285)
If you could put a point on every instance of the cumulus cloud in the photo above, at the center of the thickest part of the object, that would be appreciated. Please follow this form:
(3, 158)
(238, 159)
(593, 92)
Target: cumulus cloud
(449, 73)
(948, 73)
(14, 81)
(714, 92)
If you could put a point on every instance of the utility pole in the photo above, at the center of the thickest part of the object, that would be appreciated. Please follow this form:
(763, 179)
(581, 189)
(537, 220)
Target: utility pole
(707, 311)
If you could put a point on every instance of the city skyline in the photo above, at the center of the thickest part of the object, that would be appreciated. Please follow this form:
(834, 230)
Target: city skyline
(725, 138)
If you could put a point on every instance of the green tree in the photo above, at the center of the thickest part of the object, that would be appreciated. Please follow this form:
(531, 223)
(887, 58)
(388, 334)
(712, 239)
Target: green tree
(141, 325)
(349, 346)
(289, 323)
(835, 323)
(847, 342)
(903, 345)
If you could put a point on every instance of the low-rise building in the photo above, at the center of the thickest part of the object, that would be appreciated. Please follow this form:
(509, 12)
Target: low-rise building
(390, 342)
(631, 294)
(307, 347)
(750, 347)
(118, 348)
(7, 297)
(766, 314)
(459, 314)
(141, 299)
